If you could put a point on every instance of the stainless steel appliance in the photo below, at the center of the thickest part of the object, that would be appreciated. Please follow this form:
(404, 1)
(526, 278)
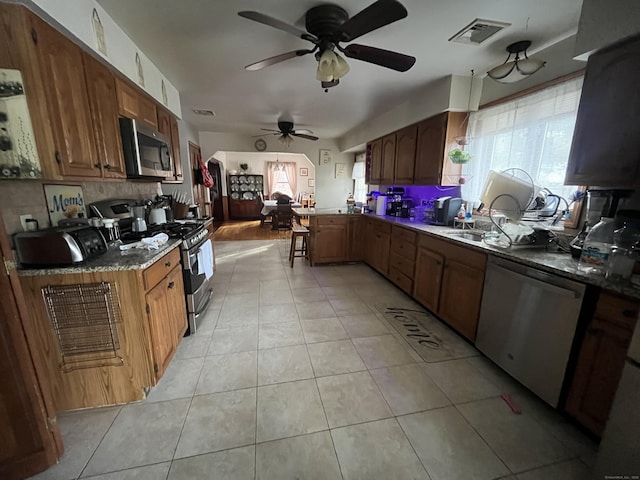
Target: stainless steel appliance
(138, 218)
(445, 210)
(59, 246)
(147, 153)
(196, 274)
(527, 324)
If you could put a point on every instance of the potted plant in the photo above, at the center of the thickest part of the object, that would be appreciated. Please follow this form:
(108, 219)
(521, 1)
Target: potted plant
(459, 156)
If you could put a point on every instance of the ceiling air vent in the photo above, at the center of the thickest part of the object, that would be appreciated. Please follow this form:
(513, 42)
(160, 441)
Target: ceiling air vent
(478, 31)
(205, 112)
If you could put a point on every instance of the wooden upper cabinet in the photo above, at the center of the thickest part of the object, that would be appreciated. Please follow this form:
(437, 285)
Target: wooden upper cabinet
(436, 136)
(375, 164)
(606, 142)
(405, 155)
(133, 103)
(388, 159)
(164, 122)
(432, 133)
(67, 100)
(101, 85)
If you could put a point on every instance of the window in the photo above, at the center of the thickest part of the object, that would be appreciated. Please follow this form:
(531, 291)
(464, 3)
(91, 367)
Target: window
(360, 188)
(282, 177)
(533, 133)
(281, 184)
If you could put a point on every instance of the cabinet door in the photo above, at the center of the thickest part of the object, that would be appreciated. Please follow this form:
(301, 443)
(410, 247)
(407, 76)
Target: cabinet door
(380, 252)
(148, 111)
(429, 150)
(176, 304)
(405, 155)
(68, 102)
(331, 244)
(175, 149)
(606, 141)
(101, 85)
(356, 235)
(164, 122)
(388, 159)
(375, 170)
(428, 277)
(460, 297)
(161, 326)
(127, 100)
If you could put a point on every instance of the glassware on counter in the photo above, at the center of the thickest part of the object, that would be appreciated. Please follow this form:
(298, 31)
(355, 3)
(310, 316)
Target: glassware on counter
(597, 247)
(624, 253)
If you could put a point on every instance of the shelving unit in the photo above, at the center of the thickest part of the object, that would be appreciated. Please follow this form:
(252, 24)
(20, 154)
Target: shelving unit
(244, 196)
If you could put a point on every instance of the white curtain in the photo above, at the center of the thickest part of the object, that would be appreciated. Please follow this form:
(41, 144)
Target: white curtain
(272, 175)
(292, 176)
(533, 133)
(360, 188)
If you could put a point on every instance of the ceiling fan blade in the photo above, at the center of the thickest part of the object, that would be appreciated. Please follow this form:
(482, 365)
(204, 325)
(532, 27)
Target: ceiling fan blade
(267, 62)
(376, 15)
(302, 135)
(384, 58)
(275, 23)
(303, 131)
(270, 130)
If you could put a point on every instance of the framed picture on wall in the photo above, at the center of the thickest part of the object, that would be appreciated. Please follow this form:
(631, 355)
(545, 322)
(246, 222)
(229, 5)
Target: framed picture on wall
(325, 157)
(311, 182)
(304, 172)
(341, 170)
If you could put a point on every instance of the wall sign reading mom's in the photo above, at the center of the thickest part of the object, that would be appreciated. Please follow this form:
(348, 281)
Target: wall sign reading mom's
(64, 201)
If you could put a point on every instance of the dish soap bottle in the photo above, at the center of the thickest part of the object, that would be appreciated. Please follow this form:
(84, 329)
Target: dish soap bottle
(461, 212)
(351, 203)
(597, 247)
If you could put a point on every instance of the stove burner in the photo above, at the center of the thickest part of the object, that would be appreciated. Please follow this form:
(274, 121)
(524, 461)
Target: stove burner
(173, 229)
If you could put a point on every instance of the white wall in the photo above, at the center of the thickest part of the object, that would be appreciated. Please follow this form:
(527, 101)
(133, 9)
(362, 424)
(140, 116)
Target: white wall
(603, 23)
(75, 18)
(331, 192)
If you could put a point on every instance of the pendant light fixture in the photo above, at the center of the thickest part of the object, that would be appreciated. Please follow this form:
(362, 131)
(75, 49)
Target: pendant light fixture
(518, 68)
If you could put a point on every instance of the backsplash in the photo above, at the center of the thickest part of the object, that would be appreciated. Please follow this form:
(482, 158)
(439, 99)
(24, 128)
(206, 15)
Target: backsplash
(20, 197)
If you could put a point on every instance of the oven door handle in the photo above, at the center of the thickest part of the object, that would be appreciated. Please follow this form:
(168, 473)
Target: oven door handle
(206, 304)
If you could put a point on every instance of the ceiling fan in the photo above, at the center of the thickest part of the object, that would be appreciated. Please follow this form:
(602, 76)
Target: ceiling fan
(326, 26)
(286, 132)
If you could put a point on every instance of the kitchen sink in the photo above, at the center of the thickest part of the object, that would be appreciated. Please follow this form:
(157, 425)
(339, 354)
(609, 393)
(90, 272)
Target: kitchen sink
(467, 235)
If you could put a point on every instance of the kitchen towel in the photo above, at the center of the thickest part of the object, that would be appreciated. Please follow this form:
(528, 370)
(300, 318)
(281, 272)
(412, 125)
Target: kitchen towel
(381, 205)
(205, 259)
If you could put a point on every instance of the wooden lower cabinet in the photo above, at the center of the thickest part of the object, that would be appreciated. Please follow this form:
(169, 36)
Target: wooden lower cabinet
(448, 281)
(166, 314)
(146, 338)
(244, 209)
(330, 239)
(402, 258)
(378, 238)
(428, 278)
(601, 359)
(356, 239)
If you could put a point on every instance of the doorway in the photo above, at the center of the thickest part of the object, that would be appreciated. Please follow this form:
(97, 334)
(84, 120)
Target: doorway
(216, 191)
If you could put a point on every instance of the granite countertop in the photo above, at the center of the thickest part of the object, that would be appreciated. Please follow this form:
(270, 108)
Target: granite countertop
(112, 261)
(314, 212)
(555, 262)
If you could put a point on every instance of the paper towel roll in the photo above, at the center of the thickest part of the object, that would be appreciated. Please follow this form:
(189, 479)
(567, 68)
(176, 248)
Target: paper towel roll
(381, 205)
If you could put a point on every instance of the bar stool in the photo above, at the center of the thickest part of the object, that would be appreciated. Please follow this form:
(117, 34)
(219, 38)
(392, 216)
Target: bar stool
(298, 232)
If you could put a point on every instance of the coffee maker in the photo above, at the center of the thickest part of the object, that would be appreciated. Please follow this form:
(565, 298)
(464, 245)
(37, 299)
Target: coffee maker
(394, 201)
(445, 210)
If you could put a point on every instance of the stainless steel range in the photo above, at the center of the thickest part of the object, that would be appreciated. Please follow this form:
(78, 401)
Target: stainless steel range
(196, 253)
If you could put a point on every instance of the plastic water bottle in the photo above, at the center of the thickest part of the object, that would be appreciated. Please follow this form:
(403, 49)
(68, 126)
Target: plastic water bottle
(624, 253)
(597, 247)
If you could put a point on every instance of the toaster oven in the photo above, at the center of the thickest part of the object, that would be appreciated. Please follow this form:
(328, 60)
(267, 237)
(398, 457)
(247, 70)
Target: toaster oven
(59, 246)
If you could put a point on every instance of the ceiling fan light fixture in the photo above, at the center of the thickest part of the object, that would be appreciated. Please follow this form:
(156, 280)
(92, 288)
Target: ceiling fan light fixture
(285, 140)
(331, 66)
(518, 68)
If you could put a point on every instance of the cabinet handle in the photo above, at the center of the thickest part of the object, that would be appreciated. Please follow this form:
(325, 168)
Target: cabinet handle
(58, 157)
(107, 166)
(167, 264)
(34, 36)
(171, 284)
(98, 166)
(628, 313)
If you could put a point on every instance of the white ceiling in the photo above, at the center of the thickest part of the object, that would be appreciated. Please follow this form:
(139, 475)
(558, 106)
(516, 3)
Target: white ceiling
(203, 46)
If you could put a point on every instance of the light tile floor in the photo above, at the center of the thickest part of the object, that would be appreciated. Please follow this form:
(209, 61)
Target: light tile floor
(295, 375)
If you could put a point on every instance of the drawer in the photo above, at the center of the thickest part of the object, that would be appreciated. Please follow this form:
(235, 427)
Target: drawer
(460, 254)
(403, 235)
(401, 280)
(156, 272)
(378, 226)
(332, 220)
(404, 249)
(402, 264)
(619, 310)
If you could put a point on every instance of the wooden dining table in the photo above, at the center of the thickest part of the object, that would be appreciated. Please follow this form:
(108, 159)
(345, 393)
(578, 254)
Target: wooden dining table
(270, 206)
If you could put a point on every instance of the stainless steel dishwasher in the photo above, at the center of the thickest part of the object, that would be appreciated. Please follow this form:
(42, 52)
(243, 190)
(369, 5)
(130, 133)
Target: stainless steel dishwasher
(527, 323)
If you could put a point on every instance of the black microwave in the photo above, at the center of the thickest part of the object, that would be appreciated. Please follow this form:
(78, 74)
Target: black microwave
(147, 152)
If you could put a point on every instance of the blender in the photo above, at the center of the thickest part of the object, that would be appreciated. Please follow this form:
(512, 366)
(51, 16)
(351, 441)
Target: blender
(138, 218)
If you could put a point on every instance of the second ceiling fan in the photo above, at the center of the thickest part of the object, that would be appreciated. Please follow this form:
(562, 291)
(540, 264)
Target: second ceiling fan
(328, 25)
(286, 133)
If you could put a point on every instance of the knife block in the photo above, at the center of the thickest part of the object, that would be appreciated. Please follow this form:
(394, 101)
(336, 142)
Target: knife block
(180, 210)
